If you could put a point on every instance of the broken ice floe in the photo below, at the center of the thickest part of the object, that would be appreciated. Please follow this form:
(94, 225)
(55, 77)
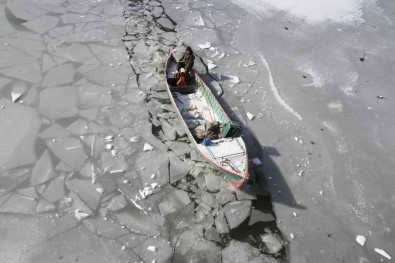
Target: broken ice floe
(236, 212)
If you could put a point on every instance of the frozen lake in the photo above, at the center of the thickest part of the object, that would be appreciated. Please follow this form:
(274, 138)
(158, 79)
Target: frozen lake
(95, 166)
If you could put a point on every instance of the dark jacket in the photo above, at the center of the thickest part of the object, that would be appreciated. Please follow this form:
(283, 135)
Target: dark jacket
(188, 59)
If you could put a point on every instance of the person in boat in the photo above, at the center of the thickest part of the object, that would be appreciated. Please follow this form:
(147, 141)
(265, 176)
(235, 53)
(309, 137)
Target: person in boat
(186, 61)
(181, 78)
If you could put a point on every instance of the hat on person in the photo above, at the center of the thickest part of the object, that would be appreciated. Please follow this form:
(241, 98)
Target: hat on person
(182, 70)
(189, 48)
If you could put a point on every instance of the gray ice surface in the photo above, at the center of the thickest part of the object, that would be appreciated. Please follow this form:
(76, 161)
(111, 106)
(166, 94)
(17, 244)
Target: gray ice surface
(320, 93)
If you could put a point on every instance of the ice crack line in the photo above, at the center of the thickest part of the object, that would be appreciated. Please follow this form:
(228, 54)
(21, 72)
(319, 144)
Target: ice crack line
(275, 90)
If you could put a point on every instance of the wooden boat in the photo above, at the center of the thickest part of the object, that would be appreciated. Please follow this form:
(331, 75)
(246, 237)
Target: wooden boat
(197, 107)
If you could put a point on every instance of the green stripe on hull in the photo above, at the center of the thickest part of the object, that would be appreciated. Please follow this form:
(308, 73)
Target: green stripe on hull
(233, 178)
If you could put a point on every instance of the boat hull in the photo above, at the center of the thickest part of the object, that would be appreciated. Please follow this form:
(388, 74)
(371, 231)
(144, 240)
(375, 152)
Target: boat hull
(236, 175)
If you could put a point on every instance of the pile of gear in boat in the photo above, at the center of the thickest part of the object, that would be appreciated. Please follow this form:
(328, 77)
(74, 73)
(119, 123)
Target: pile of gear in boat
(215, 130)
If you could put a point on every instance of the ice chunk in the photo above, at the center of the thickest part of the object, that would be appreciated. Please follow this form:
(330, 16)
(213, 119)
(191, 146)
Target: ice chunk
(234, 79)
(211, 66)
(205, 46)
(361, 240)
(151, 248)
(221, 224)
(168, 130)
(250, 116)
(214, 182)
(70, 151)
(109, 146)
(173, 201)
(18, 133)
(245, 194)
(383, 253)
(179, 148)
(236, 212)
(178, 169)
(55, 131)
(80, 215)
(42, 24)
(55, 190)
(208, 199)
(212, 234)
(19, 204)
(59, 75)
(224, 196)
(43, 170)
(249, 64)
(15, 96)
(59, 102)
(135, 139)
(238, 251)
(147, 147)
(272, 243)
(191, 246)
(260, 216)
(86, 191)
